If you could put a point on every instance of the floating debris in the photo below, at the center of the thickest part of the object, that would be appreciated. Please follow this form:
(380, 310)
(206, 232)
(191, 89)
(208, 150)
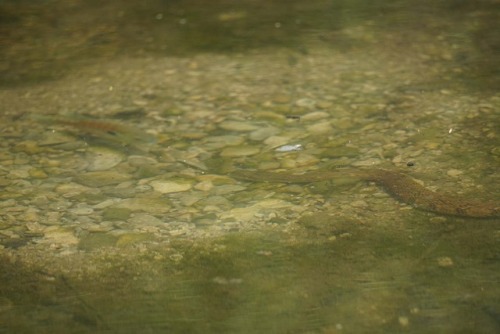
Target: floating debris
(290, 148)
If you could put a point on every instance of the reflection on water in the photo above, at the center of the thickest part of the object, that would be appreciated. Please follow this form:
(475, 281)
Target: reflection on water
(122, 124)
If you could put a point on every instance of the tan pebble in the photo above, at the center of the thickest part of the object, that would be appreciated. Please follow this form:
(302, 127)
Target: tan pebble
(359, 204)
(432, 145)
(167, 187)
(50, 163)
(454, 172)
(275, 141)
(285, 109)
(288, 163)
(102, 178)
(438, 220)
(151, 205)
(281, 98)
(59, 236)
(320, 128)
(266, 165)
(416, 153)
(324, 104)
(231, 16)
(193, 135)
(314, 116)
(71, 188)
(446, 56)
(237, 126)
(305, 103)
(397, 159)
(343, 123)
(27, 146)
(304, 159)
(239, 151)
(444, 262)
(204, 185)
(178, 232)
(404, 321)
(30, 217)
(176, 257)
(38, 174)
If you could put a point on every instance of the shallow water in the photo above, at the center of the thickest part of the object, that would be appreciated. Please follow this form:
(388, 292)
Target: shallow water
(105, 230)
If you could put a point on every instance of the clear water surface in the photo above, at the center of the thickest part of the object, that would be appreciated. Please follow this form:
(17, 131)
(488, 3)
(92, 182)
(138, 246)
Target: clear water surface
(122, 123)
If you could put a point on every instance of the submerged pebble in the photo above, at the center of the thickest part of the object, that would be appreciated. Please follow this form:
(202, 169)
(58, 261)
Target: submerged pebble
(101, 159)
(238, 126)
(171, 186)
(240, 151)
(101, 178)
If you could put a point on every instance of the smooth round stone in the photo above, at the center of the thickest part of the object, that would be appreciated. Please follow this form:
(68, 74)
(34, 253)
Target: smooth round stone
(281, 98)
(81, 211)
(359, 204)
(324, 104)
(171, 186)
(146, 204)
(139, 160)
(302, 159)
(101, 178)
(37, 173)
(454, 172)
(305, 103)
(20, 173)
(223, 141)
(57, 138)
(27, 146)
(239, 151)
(102, 159)
(228, 189)
(251, 212)
(59, 236)
(343, 123)
(145, 219)
(263, 133)
(206, 185)
(276, 141)
(116, 214)
(319, 128)
(268, 165)
(238, 126)
(445, 261)
(314, 116)
(71, 188)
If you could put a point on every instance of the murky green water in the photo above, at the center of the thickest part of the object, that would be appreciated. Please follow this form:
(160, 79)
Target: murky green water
(122, 125)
